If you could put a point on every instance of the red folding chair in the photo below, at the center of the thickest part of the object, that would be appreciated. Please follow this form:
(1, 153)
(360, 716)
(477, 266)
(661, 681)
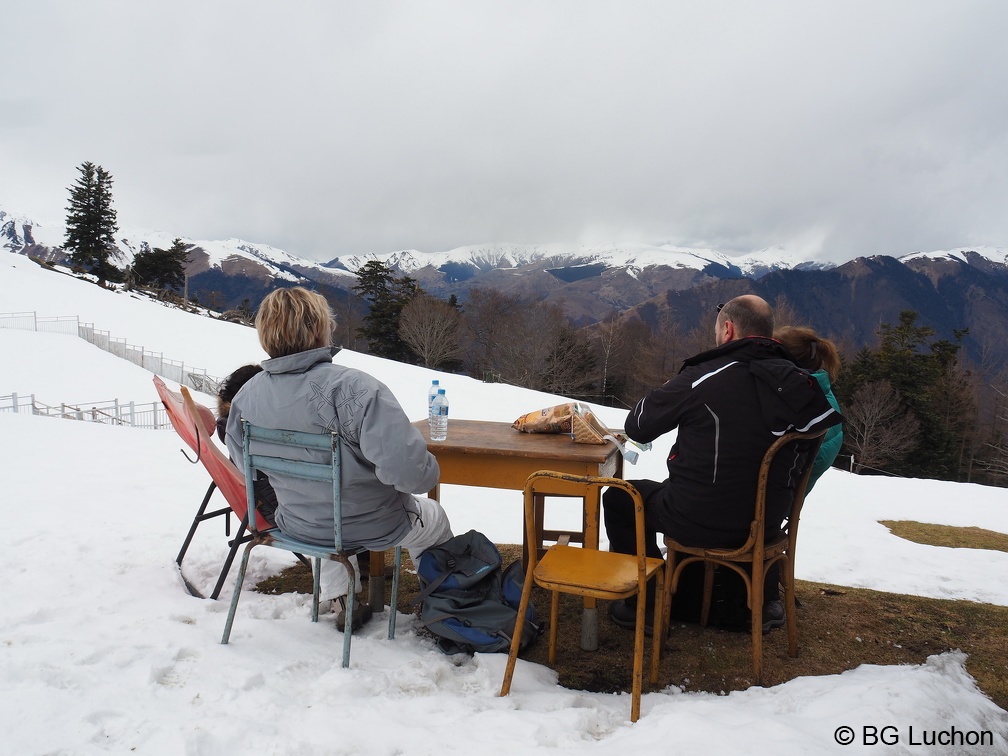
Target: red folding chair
(193, 421)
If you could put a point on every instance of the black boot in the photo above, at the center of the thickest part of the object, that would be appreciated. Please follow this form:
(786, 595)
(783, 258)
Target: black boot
(624, 613)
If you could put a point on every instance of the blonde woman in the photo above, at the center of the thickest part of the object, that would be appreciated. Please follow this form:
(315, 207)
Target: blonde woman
(384, 458)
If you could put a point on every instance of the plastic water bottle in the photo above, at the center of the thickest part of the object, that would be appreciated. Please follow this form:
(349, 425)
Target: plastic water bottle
(430, 400)
(439, 417)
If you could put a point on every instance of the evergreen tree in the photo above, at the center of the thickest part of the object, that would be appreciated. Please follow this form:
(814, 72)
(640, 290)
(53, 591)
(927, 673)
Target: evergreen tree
(928, 383)
(91, 222)
(162, 268)
(386, 297)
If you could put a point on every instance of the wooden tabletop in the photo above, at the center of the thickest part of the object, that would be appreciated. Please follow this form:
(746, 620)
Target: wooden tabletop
(475, 436)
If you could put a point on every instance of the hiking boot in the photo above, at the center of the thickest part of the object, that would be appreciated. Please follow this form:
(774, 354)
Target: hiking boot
(361, 614)
(773, 615)
(624, 614)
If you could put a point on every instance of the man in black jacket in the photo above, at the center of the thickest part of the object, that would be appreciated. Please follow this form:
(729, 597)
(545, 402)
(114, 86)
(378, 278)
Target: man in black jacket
(729, 405)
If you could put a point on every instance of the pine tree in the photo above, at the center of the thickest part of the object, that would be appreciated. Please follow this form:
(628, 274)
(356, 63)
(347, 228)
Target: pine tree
(91, 222)
(928, 383)
(162, 268)
(386, 297)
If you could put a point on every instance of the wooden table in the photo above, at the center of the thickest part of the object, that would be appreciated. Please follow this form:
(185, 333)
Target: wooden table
(495, 455)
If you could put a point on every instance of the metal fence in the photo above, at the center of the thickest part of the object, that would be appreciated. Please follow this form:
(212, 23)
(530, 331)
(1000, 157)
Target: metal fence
(150, 415)
(155, 362)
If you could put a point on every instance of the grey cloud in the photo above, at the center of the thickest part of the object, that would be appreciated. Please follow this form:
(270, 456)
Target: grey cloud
(323, 129)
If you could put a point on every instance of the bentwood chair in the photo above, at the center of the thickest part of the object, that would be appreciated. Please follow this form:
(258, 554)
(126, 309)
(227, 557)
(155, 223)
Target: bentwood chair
(281, 442)
(754, 558)
(589, 573)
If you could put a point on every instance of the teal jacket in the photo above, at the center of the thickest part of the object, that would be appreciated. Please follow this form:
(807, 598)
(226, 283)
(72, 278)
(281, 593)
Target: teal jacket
(834, 436)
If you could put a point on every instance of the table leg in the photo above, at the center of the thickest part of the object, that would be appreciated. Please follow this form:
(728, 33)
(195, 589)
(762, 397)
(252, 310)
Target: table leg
(376, 583)
(589, 615)
(590, 540)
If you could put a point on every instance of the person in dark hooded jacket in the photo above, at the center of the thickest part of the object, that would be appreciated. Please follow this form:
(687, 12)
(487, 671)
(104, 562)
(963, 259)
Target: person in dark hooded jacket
(728, 404)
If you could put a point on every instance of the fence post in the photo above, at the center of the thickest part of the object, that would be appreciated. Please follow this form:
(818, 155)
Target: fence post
(15, 401)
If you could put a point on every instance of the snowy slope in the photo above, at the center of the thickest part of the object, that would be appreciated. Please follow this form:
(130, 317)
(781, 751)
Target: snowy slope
(104, 651)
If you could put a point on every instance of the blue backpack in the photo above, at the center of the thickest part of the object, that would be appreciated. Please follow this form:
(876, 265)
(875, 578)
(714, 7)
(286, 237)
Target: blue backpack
(467, 601)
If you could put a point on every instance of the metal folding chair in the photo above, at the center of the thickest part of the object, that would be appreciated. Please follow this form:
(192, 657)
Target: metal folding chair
(327, 471)
(194, 423)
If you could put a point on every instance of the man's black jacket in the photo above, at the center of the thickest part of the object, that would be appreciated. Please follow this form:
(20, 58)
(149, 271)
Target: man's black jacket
(729, 405)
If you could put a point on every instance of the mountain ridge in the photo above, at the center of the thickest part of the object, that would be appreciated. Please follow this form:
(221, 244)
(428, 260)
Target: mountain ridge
(950, 289)
(18, 231)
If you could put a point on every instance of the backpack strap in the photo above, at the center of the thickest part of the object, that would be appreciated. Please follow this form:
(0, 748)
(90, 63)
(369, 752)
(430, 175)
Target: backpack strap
(491, 633)
(435, 583)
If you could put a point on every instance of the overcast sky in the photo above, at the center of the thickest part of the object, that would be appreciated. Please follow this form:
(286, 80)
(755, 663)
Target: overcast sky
(832, 129)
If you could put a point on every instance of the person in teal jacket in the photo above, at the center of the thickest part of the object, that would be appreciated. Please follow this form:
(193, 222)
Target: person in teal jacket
(820, 357)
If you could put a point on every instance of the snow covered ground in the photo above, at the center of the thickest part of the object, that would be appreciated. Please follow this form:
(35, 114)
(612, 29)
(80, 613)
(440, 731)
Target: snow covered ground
(104, 651)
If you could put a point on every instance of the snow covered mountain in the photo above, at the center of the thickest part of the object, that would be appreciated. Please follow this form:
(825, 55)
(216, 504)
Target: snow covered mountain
(951, 289)
(20, 232)
(570, 262)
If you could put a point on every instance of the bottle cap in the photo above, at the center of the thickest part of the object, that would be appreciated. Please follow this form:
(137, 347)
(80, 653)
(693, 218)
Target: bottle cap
(440, 391)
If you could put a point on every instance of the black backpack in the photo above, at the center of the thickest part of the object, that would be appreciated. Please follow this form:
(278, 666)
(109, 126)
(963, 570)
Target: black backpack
(467, 601)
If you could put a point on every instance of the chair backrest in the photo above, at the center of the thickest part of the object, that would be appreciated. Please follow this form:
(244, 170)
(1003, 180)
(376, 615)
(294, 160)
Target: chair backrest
(269, 457)
(548, 482)
(174, 405)
(812, 441)
(193, 421)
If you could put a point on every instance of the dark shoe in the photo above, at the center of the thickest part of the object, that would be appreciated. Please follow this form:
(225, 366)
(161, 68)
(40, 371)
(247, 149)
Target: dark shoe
(364, 566)
(624, 614)
(361, 614)
(773, 615)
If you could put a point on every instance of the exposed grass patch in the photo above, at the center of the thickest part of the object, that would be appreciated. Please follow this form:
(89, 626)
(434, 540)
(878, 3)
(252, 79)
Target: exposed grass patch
(838, 629)
(948, 535)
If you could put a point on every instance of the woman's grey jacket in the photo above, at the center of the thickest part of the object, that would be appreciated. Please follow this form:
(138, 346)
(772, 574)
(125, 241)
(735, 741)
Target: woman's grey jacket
(384, 458)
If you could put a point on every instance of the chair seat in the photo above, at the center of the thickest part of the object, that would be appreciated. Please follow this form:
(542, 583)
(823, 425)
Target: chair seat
(741, 554)
(572, 570)
(275, 537)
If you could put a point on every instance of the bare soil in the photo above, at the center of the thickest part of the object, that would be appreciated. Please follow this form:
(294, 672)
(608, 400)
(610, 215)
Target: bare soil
(838, 629)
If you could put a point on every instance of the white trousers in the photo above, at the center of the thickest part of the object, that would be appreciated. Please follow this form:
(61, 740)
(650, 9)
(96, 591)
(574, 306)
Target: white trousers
(429, 529)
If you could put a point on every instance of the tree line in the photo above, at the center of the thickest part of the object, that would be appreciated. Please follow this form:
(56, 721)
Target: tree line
(913, 406)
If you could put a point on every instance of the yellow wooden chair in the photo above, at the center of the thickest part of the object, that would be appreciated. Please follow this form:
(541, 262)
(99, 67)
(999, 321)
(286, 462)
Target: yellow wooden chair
(752, 559)
(590, 573)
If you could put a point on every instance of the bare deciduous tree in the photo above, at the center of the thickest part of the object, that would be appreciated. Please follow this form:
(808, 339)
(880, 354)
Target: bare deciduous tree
(878, 428)
(491, 321)
(431, 328)
(529, 344)
(610, 341)
(784, 313)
